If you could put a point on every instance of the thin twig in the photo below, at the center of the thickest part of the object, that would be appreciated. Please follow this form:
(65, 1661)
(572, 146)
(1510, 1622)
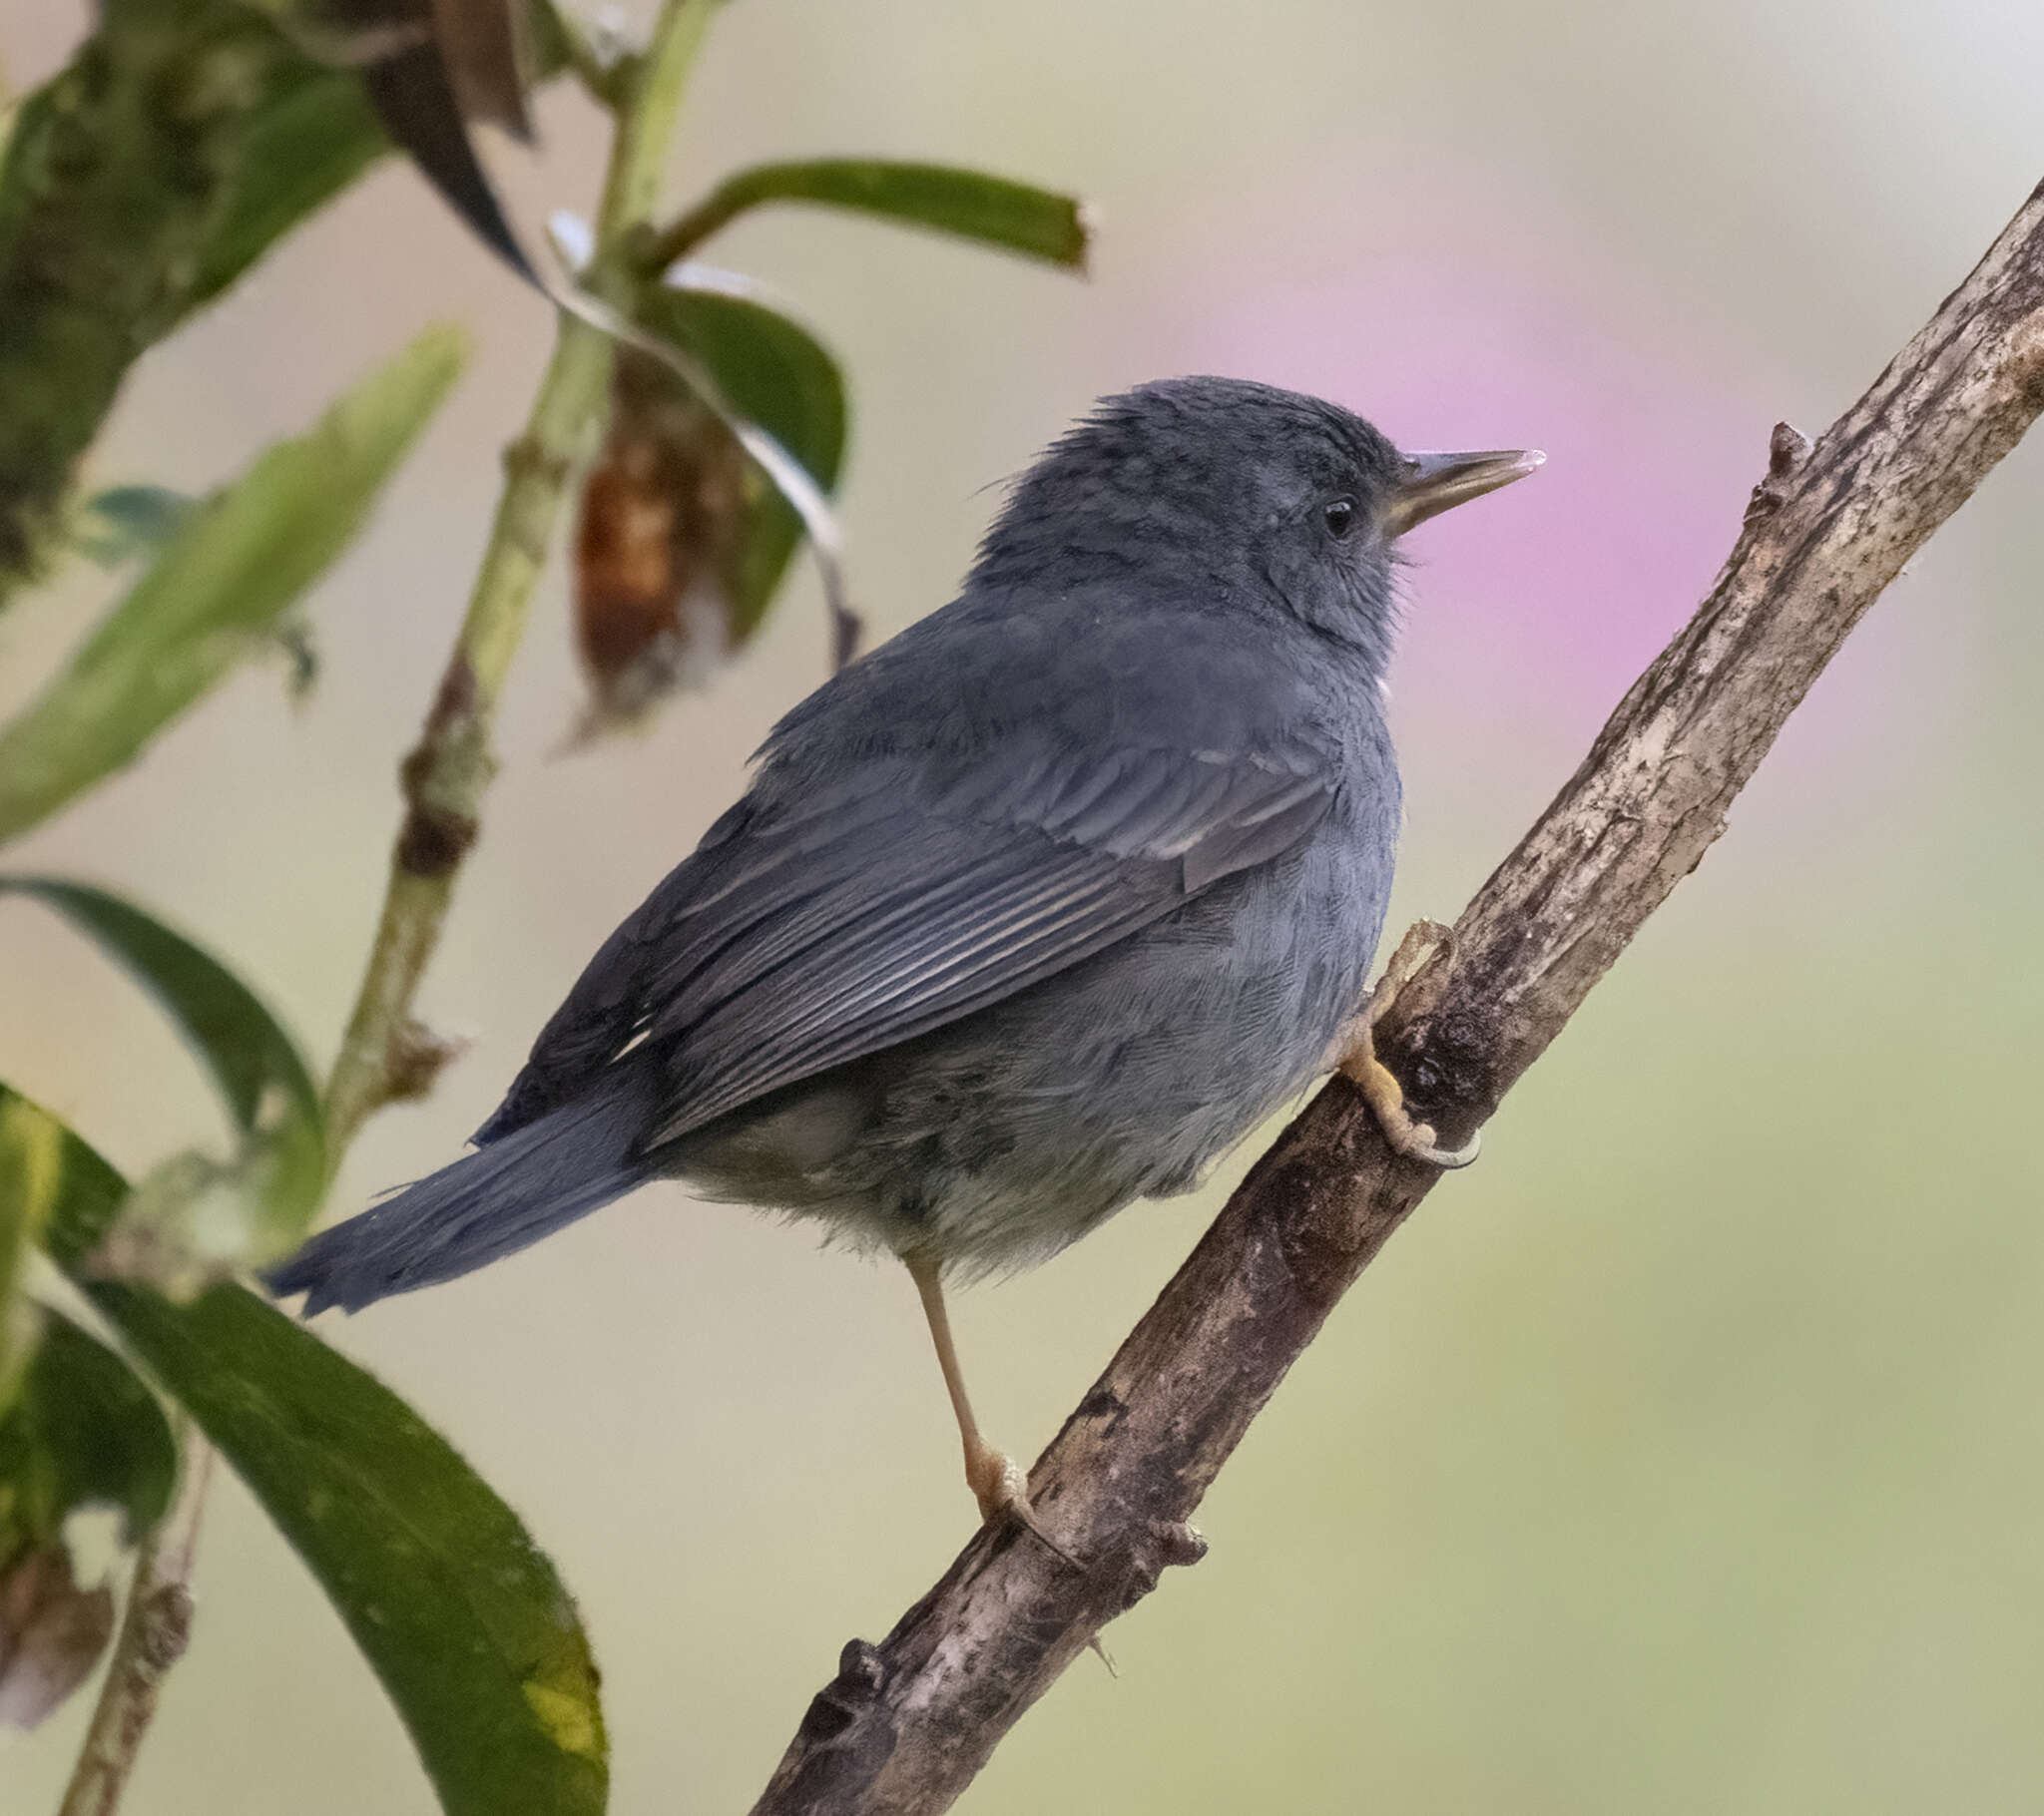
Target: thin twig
(908, 1724)
(446, 775)
(153, 1636)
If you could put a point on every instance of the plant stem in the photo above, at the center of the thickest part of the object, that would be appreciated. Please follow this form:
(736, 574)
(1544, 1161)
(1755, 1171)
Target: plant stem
(646, 120)
(154, 1632)
(382, 1055)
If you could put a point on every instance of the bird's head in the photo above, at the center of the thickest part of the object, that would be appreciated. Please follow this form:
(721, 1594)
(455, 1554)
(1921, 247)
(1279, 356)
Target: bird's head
(1231, 489)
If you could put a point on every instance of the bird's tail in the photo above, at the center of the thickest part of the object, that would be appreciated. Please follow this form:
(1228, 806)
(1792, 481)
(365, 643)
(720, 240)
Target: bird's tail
(485, 1205)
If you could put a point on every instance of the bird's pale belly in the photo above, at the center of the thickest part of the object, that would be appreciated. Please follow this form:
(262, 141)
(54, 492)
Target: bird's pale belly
(994, 1142)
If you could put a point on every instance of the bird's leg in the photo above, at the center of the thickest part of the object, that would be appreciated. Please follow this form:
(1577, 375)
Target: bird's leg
(1370, 1075)
(996, 1479)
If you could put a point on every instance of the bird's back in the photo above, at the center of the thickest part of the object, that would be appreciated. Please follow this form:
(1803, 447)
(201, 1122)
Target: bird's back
(1003, 1134)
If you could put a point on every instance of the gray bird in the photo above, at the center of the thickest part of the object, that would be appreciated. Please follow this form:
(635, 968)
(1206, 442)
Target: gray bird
(1036, 910)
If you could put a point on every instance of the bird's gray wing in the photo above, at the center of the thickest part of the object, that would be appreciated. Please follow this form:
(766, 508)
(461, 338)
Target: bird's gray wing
(817, 928)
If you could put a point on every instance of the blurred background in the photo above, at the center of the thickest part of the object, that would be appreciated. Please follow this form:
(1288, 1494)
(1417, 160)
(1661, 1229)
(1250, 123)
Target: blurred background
(1685, 1454)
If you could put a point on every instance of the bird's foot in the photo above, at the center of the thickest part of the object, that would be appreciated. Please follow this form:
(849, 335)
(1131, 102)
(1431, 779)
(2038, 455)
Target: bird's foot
(1380, 1086)
(1386, 1099)
(1001, 1488)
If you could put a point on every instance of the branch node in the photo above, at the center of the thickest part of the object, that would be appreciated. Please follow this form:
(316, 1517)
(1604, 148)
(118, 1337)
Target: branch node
(416, 1058)
(444, 776)
(528, 457)
(849, 1696)
(1787, 449)
(1788, 452)
(1178, 1541)
(168, 1630)
(844, 1738)
(1160, 1544)
(432, 842)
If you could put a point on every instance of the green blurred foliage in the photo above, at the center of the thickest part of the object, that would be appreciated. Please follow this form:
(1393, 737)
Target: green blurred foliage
(222, 583)
(81, 1431)
(184, 138)
(463, 1619)
(461, 1615)
(195, 1218)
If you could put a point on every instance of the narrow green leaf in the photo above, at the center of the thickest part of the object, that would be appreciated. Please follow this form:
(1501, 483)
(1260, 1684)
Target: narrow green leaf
(82, 1432)
(312, 135)
(219, 585)
(970, 204)
(88, 1191)
(773, 372)
(462, 1617)
(259, 1073)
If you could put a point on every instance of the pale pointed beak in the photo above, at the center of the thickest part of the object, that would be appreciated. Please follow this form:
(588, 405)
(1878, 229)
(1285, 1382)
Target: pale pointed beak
(1430, 484)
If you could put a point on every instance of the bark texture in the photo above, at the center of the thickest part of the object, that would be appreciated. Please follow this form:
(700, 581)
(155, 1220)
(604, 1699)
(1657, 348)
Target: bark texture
(905, 1725)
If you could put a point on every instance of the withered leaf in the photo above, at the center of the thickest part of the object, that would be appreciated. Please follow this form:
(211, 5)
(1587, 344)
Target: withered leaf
(429, 67)
(51, 1634)
(663, 514)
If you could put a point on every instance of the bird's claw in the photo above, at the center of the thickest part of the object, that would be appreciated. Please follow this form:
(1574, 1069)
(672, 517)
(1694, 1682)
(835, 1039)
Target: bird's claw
(1002, 1489)
(1380, 1086)
(1386, 1099)
(1425, 1147)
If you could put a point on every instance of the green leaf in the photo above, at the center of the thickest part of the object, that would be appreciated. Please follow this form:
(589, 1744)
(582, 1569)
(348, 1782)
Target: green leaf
(312, 135)
(220, 586)
(991, 210)
(182, 138)
(82, 1432)
(30, 1161)
(773, 372)
(267, 1089)
(462, 1617)
(87, 1192)
(125, 521)
(76, 1425)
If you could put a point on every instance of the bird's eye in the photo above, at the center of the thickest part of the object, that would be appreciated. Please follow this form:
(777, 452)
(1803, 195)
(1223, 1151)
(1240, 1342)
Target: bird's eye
(1340, 517)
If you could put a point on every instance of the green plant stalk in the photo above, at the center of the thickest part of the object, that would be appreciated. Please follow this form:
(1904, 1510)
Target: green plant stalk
(382, 1056)
(155, 1631)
